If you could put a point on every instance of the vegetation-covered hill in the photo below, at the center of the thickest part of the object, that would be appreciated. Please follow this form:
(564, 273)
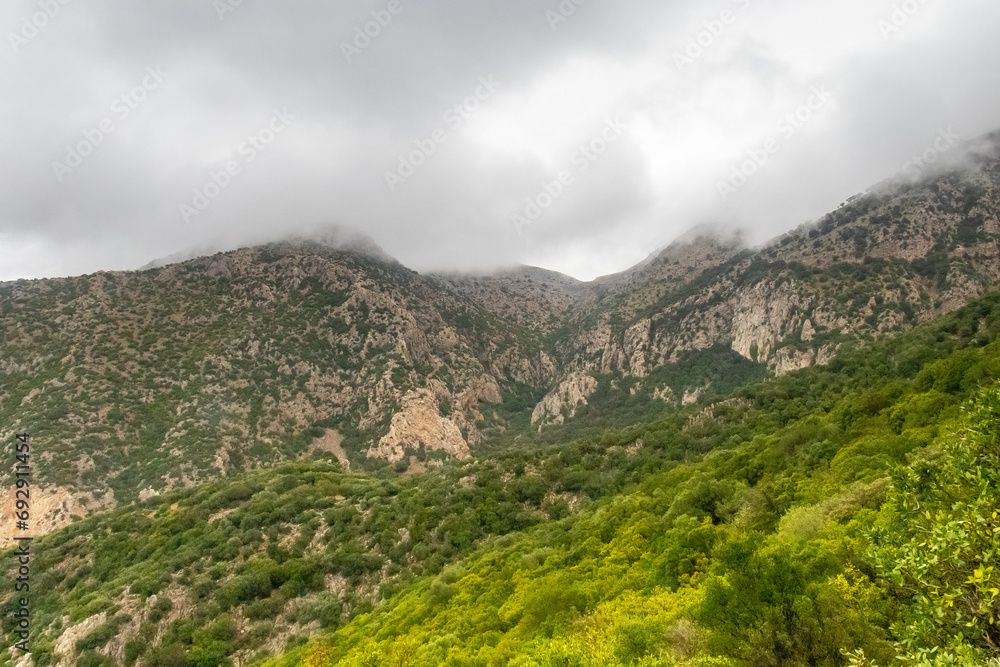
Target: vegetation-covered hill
(145, 381)
(308, 454)
(786, 524)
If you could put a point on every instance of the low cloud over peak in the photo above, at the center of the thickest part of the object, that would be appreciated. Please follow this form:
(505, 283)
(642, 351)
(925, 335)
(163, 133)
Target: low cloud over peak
(578, 136)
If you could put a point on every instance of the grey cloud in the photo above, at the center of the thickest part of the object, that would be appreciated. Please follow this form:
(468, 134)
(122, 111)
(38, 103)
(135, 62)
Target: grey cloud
(119, 209)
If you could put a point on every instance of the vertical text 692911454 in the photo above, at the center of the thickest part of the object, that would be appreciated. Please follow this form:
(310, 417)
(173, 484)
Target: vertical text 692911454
(22, 554)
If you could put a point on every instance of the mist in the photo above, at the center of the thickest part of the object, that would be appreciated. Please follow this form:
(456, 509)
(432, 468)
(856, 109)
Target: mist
(575, 135)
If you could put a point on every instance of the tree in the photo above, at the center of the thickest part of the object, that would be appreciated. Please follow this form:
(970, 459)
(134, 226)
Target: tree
(939, 546)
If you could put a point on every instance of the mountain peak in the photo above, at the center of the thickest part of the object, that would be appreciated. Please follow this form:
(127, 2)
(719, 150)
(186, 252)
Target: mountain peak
(340, 238)
(686, 257)
(335, 237)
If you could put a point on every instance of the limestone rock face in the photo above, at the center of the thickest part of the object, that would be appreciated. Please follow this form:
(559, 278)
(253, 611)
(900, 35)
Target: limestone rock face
(65, 648)
(569, 395)
(763, 316)
(664, 393)
(789, 359)
(420, 423)
(808, 331)
(693, 394)
(468, 402)
(481, 390)
(632, 356)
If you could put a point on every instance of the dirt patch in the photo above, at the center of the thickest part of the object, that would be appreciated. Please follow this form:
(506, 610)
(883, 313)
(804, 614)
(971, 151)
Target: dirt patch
(330, 442)
(221, 514)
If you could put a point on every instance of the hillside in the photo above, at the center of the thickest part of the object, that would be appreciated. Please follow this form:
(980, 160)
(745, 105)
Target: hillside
(307, 441)
(532, 298)
(140, 382)
(327, 348)
(739, 530)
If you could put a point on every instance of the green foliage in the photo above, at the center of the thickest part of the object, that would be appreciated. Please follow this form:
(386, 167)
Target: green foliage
(938, 548)
(755, 554)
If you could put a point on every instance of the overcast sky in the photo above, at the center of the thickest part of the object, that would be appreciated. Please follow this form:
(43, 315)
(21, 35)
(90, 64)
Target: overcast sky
(134, 130)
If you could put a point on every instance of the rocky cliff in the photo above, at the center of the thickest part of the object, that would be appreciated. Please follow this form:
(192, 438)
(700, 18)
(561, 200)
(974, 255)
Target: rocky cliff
(143, 381)
(897, 255)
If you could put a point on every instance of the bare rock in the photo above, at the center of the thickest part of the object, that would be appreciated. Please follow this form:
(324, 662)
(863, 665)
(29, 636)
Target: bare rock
(569, 395)
(420, 423)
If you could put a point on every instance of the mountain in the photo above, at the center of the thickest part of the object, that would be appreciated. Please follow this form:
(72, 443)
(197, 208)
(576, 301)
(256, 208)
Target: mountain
(324, 346)
(902, 253)
(148, 380)
(787, 524)
(237, 451)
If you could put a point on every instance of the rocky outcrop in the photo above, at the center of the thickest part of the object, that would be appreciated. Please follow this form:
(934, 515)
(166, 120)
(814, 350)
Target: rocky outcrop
(693, 394)
(664, 393)
(763, 316)
(632, 355)
(807, 331)
(420, 424)
(65, 649)
(468, 402)
(563, 401)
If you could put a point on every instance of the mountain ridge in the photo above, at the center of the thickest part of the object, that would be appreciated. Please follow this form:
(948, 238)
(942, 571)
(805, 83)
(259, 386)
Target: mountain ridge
(260, 355)
(236, 452)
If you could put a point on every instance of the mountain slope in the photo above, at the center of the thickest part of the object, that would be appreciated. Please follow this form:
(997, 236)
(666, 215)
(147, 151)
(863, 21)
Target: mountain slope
(789, 544)
(628, 545)
(152, 379)
(145, 381)
(532, 298)
(899, 254)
